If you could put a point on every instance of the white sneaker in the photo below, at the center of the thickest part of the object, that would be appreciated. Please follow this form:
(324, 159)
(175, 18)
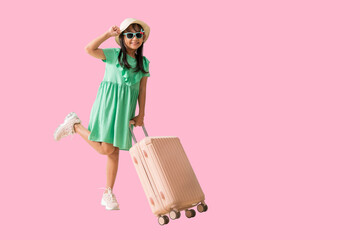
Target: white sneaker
(70, 115)
(109, 200)
(67, 127)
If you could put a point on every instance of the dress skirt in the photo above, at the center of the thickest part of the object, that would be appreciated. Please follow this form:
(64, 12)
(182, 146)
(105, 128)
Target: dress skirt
(113, 108)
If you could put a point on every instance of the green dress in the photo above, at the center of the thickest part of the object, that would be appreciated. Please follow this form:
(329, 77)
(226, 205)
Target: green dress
(116, 101)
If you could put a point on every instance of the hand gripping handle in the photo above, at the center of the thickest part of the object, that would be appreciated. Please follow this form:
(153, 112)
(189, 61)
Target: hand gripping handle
(133, 135)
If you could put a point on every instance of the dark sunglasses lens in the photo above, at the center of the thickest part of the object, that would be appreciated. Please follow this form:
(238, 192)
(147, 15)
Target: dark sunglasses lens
(139, 35)
(130, 35)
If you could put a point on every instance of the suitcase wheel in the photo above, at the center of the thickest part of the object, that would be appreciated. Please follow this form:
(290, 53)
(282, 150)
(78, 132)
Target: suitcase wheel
(202, 208)
(163, 220)
(174, 215)
(190, 213)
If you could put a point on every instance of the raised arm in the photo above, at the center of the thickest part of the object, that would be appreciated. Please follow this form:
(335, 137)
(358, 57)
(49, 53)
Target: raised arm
(93, 47)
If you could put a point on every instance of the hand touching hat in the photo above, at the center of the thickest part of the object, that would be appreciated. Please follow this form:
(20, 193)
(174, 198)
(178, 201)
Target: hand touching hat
(114, 31)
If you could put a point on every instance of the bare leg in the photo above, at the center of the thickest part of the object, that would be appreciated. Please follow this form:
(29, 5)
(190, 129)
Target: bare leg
(112, 168)
(101, 147)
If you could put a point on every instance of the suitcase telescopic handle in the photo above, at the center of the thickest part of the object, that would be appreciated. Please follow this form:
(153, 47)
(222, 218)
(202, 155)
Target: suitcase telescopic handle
(133, 135)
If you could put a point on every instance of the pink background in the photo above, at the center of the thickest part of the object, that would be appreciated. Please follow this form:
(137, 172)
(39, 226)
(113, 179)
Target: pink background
(264, 96)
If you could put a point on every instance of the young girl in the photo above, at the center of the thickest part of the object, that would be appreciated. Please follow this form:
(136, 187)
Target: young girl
(113, 111)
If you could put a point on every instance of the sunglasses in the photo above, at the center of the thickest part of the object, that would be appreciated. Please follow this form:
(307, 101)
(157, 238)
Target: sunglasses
(130, 35)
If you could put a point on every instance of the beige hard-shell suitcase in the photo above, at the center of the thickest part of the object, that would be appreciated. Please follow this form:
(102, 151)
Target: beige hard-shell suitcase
(167, 177)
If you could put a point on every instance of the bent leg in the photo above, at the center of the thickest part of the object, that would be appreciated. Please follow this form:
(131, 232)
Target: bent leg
(100, 147)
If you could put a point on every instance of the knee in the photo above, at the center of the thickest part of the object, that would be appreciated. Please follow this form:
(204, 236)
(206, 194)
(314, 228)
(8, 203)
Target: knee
(115, 152)
(107, 149)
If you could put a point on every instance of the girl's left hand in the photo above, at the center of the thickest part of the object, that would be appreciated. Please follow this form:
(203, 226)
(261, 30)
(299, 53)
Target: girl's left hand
(137, 121)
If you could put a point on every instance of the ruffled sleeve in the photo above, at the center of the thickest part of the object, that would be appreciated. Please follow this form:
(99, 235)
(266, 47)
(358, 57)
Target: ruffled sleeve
(110, 54)
(146, 66)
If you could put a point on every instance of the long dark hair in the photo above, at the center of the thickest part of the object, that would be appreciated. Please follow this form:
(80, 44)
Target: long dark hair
(139, 52)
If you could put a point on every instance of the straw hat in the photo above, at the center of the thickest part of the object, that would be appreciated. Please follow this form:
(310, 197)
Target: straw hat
(126, 23)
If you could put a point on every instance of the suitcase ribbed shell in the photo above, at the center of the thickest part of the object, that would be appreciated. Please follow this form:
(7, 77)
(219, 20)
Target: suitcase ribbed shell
(166, 175)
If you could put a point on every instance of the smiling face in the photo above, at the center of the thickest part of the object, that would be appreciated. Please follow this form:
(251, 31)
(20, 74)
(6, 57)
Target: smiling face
(134, 43)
